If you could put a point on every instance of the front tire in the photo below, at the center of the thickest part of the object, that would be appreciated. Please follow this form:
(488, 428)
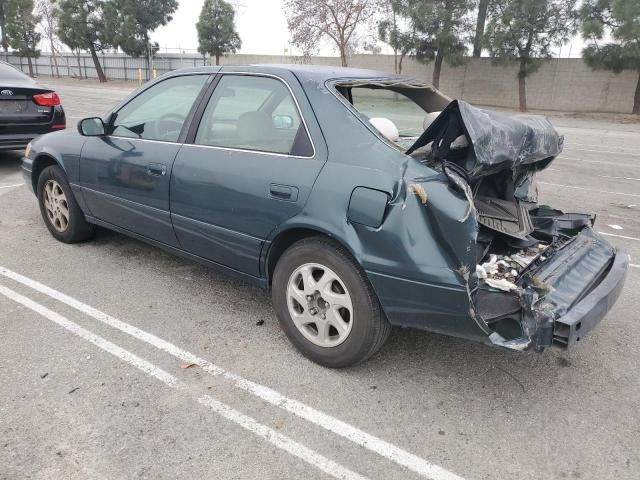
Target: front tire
(60, 211)
(325, 304)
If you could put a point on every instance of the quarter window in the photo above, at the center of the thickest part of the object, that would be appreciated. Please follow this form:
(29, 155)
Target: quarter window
(253, 113)
(159, 112)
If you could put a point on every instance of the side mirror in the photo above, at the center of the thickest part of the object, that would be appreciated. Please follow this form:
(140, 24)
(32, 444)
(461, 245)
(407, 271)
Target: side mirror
(283, 121)
(91, 127)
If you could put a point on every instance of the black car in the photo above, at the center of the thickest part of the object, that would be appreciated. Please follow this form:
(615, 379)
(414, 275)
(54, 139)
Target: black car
(26, 109)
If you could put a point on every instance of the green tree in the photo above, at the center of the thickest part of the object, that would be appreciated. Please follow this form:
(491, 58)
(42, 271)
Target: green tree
(311, 21)
(49, 26)
(398, 30)
(524, 32)
(481, 19)
(129, 23)
(81, 27)
(619, 22)
(3, 29)
(20, 25)
(443, 27)
(217, 34)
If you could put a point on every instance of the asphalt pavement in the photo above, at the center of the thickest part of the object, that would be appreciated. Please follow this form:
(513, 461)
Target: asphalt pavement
(121, 361)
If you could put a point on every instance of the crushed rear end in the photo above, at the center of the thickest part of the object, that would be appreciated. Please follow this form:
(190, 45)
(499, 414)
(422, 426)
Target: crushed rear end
(542, 277)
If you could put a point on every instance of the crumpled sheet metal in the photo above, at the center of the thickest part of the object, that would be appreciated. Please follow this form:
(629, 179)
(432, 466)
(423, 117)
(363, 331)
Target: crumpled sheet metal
(515, 139)
(499, 140)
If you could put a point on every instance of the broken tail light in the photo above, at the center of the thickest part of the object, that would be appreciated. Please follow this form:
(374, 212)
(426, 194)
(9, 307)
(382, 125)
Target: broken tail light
(48, 99)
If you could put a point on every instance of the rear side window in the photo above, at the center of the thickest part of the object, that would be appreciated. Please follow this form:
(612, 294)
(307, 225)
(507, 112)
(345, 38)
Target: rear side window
(254, 113)
(159, 112)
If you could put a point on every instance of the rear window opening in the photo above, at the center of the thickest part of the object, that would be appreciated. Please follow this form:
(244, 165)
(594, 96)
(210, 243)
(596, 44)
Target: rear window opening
(399, 111)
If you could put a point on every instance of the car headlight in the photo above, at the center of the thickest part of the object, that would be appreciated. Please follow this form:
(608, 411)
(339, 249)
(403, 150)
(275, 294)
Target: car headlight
(27, 150)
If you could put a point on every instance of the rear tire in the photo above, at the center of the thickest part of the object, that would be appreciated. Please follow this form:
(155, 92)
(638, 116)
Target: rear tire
(348, 325)
(60, 211)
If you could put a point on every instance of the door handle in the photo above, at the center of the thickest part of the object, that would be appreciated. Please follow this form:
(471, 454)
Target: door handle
(157, 170)
(283, 192)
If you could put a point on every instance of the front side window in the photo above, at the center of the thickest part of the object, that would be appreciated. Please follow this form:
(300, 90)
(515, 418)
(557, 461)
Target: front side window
(253, 113)
(159, 112)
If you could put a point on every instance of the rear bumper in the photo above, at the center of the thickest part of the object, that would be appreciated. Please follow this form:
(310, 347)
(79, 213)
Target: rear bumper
(588, 312)
(16, 136)
(16, 141)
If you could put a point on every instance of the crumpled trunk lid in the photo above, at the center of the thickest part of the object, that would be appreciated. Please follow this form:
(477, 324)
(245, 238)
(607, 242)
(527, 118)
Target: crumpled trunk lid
(498, 141)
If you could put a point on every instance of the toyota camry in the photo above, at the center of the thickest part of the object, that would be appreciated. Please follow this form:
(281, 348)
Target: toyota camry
(363, 200)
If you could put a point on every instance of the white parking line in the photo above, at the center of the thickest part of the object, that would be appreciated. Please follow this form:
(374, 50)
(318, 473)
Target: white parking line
(618, 178)
(334, 425)
(12, 186)
(618, 236)
(590, 189)
(600, 162)
(615, 227)
(277, 439)
(604, 151)
(634, 265)
(569, 144)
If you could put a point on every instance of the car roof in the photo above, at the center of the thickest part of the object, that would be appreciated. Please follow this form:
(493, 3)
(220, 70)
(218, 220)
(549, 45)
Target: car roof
(9, 73)
(312, 73)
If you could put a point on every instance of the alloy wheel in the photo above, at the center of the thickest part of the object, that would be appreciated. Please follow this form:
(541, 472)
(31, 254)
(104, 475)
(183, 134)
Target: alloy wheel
(320, 305)
(56, 206)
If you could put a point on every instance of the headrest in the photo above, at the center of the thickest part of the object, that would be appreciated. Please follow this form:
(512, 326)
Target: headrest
(386, 127)
(428, 120)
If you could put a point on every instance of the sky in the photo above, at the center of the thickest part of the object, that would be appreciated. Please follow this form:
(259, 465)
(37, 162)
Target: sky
(262, 27)
(261, 24)
(263, 30)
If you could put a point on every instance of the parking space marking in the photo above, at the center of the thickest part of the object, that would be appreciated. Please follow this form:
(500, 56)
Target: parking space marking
(618, 178)
(569, 144)
(12, 186)
(590, 189)
(619, 236)
(600, 162)
(604, 151)
(615, 227)
(363, 439)
(277, 439)
(634, 265)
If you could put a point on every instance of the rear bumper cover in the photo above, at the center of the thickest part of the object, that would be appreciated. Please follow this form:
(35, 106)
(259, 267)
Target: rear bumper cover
(588, 312)
(16, 141)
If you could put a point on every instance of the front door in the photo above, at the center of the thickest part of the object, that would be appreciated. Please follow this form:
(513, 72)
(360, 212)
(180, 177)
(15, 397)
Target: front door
(125, 174)
(250, 167)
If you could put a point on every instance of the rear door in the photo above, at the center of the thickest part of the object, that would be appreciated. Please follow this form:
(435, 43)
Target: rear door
(125, 174)
(250, 167)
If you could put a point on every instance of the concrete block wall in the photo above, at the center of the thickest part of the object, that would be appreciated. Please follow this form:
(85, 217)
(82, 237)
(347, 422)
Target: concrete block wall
(564, 84)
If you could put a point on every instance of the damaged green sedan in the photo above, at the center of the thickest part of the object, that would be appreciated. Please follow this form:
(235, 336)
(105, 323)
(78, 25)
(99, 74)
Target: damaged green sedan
(363, 200)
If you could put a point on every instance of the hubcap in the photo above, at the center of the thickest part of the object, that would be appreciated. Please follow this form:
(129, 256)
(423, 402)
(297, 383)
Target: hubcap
(56, 206)
(320, 305)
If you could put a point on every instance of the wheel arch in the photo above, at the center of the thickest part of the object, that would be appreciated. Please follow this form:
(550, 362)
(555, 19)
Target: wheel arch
(42, 161)
(288, 237)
